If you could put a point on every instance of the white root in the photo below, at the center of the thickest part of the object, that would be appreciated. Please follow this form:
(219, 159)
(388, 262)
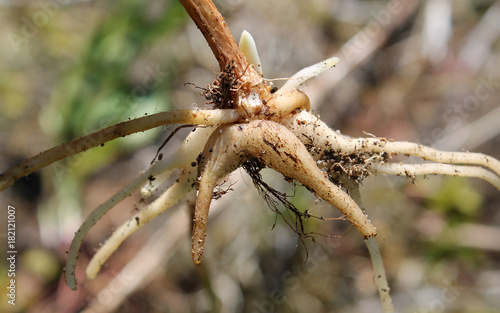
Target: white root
(182, 158)
(98, 213)
(308, 127)
(219, 158)
(185, 157)
(281, 150)
(281, 105)
(427, 153)
(376, 257)
(191, 117)
(173, 195)
(436, 168)
(379, 274)
(276, 147)
(304, 74)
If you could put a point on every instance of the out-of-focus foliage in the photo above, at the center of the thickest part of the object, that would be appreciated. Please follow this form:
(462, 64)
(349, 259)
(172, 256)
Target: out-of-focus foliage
(456, 196)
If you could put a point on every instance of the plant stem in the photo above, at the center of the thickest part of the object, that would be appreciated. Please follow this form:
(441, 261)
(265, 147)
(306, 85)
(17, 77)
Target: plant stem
(221, 40)
(216, 32)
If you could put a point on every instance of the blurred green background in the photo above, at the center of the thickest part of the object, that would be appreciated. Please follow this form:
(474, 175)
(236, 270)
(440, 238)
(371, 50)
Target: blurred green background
(409, 70)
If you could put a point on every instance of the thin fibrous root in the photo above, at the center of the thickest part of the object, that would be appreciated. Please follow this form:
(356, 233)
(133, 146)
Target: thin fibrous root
(192, 117)
(276, 147)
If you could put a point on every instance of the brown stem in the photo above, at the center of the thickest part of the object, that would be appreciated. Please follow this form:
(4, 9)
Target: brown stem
(216, 32)
(220, 39)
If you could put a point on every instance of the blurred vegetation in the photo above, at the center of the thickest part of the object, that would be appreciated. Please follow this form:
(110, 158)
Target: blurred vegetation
(70, 69)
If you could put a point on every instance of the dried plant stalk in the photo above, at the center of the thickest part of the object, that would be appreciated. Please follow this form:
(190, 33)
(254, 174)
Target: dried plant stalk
(222, 42)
